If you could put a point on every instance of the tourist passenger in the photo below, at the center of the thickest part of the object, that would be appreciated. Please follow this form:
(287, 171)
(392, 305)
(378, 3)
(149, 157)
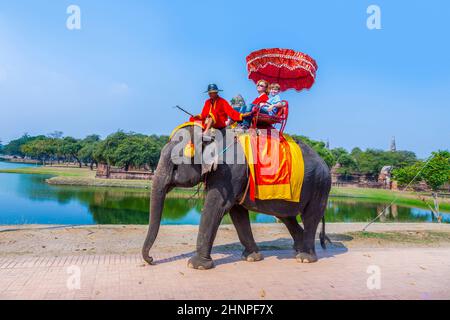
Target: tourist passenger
(262, 87)
(274, 102)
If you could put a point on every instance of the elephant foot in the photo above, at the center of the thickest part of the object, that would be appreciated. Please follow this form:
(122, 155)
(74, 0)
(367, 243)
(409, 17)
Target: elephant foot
(200, 263)
(252, 257)
(305, 257)
(149, 260)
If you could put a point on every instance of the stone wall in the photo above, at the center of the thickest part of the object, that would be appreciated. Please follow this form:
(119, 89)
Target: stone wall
(107, 172)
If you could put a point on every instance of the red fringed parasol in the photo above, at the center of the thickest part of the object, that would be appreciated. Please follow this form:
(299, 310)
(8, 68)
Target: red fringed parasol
(289, 68)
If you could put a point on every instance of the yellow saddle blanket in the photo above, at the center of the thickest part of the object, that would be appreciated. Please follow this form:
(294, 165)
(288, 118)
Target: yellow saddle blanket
(276, 166)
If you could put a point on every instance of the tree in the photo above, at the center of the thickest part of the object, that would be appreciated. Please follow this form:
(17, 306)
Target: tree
(14, 147)
(338, 152)
(319, 147)
(348, 164)
(371, 161)
(130, 151)
(355, 151)
(155, 145)
(41, 148)
(435, 172)
(86, 154)
(105, 152)
(92, 138)
(405, 175)
(87, 151)
(69, 148)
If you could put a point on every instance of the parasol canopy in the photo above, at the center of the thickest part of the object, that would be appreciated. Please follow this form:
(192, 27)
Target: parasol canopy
(290, 69)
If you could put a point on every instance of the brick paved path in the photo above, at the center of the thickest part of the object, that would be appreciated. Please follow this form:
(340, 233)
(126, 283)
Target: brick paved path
(418, 273)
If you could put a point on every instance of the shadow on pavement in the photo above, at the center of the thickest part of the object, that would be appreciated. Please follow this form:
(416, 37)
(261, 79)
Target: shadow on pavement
(280, 248)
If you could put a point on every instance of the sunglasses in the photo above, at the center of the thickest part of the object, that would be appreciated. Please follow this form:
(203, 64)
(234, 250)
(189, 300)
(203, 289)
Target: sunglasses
(262, 86)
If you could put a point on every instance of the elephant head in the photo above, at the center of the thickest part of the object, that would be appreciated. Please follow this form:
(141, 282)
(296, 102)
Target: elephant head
(181, 164)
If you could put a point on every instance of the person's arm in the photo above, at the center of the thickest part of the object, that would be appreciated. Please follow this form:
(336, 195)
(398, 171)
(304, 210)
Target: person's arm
(203, 115)
(277, 103)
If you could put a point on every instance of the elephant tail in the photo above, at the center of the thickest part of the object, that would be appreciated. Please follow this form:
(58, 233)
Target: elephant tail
(323, 237)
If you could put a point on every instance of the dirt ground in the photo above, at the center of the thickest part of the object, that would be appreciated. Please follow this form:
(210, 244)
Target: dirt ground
(391, 261)
(40, 240)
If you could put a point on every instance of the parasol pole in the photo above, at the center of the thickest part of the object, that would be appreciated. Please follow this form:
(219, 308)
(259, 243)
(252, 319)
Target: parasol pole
(180, 108)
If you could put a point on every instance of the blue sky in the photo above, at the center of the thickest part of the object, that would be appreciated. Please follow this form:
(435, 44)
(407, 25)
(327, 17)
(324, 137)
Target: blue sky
(132, 61)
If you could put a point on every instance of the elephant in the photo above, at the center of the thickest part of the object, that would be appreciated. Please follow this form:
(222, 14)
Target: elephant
(225, 192)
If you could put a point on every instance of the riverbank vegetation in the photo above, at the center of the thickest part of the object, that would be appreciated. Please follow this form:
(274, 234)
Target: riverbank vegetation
(125, 149)
(74, 176)
(133, 150)
(120, 149)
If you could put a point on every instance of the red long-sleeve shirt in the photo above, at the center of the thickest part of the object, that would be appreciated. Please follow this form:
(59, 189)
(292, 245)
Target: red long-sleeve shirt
(262, 98)
(219, 110)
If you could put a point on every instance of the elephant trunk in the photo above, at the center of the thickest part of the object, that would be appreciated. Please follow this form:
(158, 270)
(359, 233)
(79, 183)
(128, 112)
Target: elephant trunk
(159, 189)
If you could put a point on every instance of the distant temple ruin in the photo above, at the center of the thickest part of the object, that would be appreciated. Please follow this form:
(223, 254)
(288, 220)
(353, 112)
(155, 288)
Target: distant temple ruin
(393, 147)
(105, 171)
(383, 181)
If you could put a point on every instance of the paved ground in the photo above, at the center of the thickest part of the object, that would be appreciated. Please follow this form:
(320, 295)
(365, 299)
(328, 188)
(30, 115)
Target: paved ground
(343, 272)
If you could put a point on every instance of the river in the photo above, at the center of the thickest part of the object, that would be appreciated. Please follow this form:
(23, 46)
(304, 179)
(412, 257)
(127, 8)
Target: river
(28, 199)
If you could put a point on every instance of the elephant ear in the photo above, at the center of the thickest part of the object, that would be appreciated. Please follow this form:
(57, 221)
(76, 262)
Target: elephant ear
(210, 160)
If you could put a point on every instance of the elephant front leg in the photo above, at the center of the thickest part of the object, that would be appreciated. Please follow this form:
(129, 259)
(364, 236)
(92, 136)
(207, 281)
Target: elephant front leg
(241, 220)
(209, 224)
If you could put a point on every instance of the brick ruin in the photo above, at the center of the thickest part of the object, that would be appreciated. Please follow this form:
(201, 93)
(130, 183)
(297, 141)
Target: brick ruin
(105, 171)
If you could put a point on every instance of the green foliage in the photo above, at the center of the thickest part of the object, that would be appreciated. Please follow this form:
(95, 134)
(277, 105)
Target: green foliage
(367, 162)
(41, 148)
(338, 152)
(348, 164)
(371, 161)
(133, 150)
(155, 145)
(93, 138)
(437, 172)
(319, 147)
(14, 147)
(130, 149)
(356, 151)
(69, 147)
(86, 153)
(106, 149)
(125, 149)
(406, 174)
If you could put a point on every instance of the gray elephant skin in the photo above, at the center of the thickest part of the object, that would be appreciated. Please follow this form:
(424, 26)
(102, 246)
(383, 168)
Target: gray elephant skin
(225, 188)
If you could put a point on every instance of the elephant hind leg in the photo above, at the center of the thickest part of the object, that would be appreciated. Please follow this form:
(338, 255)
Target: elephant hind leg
(241, 220)
(311, 219)
(295, 230)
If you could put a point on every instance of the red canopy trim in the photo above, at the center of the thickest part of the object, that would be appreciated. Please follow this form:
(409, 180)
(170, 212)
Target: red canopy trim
(252, 68)
(291, 69)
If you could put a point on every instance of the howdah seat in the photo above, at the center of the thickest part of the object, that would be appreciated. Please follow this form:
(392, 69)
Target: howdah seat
(262, 120)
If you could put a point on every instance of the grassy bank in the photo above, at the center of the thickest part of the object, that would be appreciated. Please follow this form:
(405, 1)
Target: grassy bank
(407, 238)
(405, 198)
(84, 177)
(54, 171)
(74, 176)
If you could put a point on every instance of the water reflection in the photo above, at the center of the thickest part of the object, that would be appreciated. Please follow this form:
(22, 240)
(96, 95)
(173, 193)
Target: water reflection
(28, 199)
